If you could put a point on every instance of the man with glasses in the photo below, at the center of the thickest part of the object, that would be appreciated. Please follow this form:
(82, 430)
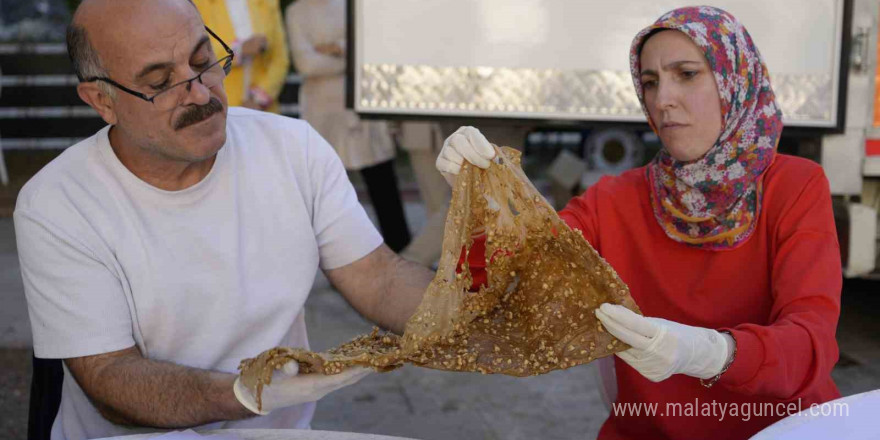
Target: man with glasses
(185, 236)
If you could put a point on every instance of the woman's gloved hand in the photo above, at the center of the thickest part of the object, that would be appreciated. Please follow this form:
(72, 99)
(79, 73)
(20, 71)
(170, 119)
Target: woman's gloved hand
(661, 348)
(467, 143)
(288, 388)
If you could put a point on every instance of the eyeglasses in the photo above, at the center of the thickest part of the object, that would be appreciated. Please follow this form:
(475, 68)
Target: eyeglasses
(170, 97)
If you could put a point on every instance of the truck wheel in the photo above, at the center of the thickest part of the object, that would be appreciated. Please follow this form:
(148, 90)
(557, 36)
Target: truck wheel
(613, 151)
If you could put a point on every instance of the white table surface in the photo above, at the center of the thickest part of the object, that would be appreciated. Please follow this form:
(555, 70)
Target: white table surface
(274, 434)
(858, 419)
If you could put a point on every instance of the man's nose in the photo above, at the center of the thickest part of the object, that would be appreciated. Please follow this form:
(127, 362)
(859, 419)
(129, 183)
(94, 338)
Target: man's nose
(196, 93)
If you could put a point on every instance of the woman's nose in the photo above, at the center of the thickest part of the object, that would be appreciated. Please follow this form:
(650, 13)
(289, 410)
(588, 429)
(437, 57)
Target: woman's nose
(667, 95)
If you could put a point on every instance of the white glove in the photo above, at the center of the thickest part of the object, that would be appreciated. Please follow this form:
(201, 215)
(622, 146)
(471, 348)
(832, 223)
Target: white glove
(466, 143)
(288, 388)
(661, 348)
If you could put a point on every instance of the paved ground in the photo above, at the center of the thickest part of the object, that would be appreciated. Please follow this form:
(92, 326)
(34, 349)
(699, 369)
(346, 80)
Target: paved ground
(15, 377)
(426, 404)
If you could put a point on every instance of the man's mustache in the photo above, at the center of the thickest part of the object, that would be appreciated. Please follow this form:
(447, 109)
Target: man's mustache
(197, 114)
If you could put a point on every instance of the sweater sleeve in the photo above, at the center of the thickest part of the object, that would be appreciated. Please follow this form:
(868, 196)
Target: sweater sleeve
(580, 214)
(797, 348)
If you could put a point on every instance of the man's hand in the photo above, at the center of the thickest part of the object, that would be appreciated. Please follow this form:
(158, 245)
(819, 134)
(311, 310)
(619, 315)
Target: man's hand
(661, 348)
(467, 143)
(330, 49)
(254, 46)
(288, 388)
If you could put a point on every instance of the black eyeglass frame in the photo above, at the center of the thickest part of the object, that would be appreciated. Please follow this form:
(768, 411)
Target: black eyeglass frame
(227, 66)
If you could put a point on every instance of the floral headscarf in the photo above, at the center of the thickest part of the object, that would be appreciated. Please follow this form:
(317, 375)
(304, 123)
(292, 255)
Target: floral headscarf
(714, 202)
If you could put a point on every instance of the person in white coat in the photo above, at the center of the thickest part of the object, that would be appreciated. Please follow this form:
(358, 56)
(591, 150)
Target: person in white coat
(316, 30)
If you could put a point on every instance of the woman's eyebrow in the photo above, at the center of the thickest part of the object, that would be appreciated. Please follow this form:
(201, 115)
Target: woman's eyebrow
(670, 66)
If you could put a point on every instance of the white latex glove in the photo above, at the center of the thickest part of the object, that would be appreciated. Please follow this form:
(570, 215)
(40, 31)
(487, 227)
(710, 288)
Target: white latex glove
(288, 388)
(661, 348)
(467, 143)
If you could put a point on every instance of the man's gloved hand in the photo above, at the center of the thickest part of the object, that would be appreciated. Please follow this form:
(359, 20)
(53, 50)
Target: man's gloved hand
(288, 388)
(661, 348)
(467, 143)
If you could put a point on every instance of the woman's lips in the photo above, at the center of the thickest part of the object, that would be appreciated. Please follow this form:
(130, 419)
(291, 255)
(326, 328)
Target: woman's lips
(672, 126)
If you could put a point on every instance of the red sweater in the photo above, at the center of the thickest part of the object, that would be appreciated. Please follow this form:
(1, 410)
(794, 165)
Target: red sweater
(778, 294)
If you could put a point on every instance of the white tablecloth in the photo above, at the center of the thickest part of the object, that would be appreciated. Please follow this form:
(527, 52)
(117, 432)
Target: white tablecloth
(268, 434)
(847, 418)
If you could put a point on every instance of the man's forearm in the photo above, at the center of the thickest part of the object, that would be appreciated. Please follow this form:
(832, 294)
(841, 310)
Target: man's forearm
(131, 390)
(405, 285)
(383, 287)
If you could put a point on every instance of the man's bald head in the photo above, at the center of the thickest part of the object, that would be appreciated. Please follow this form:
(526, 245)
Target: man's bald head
(84, 57)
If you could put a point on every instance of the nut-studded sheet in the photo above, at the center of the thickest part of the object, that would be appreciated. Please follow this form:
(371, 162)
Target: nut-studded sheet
(533, 316)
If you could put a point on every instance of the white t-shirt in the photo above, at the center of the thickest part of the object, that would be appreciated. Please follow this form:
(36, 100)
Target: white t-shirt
(202, 277)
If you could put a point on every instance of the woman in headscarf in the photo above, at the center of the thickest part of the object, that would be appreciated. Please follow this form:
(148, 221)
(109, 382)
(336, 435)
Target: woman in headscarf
(728, 247)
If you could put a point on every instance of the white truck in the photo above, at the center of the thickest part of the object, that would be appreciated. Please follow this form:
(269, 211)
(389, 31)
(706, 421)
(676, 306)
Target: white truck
(564, 64)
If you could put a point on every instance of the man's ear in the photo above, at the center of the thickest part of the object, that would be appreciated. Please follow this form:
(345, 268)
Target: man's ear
(98, 100)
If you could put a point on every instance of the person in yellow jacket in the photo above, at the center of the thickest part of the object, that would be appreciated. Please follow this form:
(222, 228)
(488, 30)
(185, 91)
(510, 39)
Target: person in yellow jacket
(261, 59)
